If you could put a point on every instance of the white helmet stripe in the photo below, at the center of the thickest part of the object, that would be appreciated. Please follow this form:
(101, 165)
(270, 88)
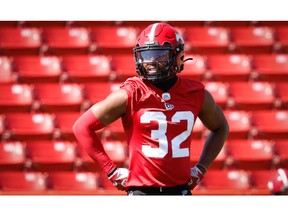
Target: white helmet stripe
(152, 32)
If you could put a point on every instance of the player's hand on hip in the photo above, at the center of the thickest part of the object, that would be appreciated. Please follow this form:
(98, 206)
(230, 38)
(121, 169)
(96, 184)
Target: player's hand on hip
(196, 177)
(119, 178)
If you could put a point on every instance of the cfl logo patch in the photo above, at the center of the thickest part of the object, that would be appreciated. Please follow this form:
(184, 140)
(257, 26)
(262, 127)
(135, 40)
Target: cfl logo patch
(169, 106)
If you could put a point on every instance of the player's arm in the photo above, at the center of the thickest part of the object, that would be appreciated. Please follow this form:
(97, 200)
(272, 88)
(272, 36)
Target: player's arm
(214, 119)
(95, 118)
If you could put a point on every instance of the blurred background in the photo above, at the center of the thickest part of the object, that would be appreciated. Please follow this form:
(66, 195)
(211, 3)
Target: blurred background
(52, 71)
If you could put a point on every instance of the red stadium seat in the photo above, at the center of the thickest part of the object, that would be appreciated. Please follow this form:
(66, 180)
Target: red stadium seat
(194, 69)
(58, 97)
(195, 152)
(23, 181)
(281, 36)
(66, 40)
(226, 23)
(72, 181)
(229, 67)
(260, 179)
(115, 149)
(6, 23)
(281, 151)
(20, 40)
(114, 39)
(207, 40)
(36, 69)
(96, 92)
(105, 183)
(12, 155)
(44, 23)
(199, 130)
(2, 127)
(63, 123)
(270, 124)
(87, 68)
(28, 126)
(219, 91)
(234, 181)
(250, 154)
(253, 39)
(7, 74)
(271, 67)
(123, 66)
(51, 155)
(115, 131)
(281, 91)
(252, 95)
(239, 124)
(16, 97)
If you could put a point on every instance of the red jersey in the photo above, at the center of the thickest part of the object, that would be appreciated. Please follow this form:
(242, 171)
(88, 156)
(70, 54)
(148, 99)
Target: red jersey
(158, 127)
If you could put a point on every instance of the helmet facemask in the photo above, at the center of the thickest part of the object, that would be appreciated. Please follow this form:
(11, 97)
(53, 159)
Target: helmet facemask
(157, 63)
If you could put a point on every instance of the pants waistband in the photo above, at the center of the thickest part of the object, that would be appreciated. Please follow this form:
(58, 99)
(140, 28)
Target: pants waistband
(160, 189)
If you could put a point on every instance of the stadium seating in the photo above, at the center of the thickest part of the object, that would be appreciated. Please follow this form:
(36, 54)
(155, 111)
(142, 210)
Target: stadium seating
(226, 181)
(87, 68)
(115, 149)
(2, 127)
(239, 124)
(270, 124)
(51, 155)
(199, 130)
(38, 69)
(260, 178)
(16, 97)
(204, 40)
(253, 39)
(12, 156)
(250, 154)
(229, 67)
(271, 67)
(195, 152)
(195, 69)
(281, 33)
(123, 66)
(281, 92)
(219, 91)
(281, 151)
(72, 181)
(7, 74)
(115, 131)
(251, 95)
(105, 183)
(114, 39)
(58, 97)
(69, 40)
(29, 126)
(22, 182)
(94, 92)
(20, 40)
(63, 124)
(243, 64)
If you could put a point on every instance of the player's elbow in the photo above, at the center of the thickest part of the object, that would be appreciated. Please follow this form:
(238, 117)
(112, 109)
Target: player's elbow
(77, 128)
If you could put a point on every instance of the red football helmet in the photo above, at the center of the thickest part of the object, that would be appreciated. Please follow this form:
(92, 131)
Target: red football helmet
(279, 183)
(159, 52)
